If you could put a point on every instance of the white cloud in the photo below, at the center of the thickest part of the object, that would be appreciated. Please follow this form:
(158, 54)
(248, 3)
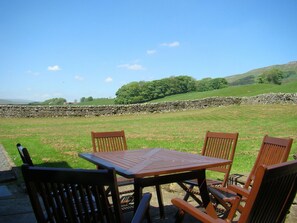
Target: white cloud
(172, 44)
(79, 78)
(108, 80)
(54, 68)
(132, 66)
(33, 73)
(150, 52)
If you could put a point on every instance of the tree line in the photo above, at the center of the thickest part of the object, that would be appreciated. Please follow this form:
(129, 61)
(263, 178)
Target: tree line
(143, 91)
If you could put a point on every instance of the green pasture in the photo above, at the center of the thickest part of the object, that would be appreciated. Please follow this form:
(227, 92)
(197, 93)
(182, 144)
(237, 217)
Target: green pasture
(234, 91)
(57, 141)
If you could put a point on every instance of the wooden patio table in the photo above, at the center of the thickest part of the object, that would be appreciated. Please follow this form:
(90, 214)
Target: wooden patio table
(154, 167)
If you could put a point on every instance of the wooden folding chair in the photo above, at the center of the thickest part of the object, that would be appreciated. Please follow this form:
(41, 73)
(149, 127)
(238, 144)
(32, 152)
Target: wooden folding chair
(25, 156)
(273, 151)
(115, 141)
(219, 145)
(76, 195)
(271, 196)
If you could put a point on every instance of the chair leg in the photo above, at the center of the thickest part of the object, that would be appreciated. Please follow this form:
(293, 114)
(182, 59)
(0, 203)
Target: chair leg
(179, 216)
(160, 201)
(190, 193)
(187, 195)
(148, 216)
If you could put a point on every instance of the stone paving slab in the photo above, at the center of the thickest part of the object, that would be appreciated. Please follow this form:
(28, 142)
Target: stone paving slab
(6, 167)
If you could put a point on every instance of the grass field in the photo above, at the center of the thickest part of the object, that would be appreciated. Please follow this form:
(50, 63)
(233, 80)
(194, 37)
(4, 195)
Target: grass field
(55, 140)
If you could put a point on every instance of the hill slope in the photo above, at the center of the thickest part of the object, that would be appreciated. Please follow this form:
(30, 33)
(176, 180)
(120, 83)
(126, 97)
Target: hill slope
(13, 101)
(289, 69)
(236, 91)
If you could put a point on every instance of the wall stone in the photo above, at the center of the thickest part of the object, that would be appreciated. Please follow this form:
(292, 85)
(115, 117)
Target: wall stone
(27, 111)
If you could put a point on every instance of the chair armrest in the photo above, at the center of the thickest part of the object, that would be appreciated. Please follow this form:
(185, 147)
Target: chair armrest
(142, 208)
(196, 213)
(239, 190)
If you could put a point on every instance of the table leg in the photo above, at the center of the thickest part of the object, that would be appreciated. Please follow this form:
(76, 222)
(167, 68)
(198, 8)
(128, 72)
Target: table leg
(205, 195)
(138, 189)
(137, 192)
(160, 201)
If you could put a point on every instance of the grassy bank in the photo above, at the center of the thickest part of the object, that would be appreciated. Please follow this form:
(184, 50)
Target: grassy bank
(235, 91)
(56, 140)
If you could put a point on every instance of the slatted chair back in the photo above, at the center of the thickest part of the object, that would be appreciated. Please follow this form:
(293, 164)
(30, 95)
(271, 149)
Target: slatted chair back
(220, 145)
(109, 141)
(273, 151)
(272, 194)
(72, 195)
(25, 156)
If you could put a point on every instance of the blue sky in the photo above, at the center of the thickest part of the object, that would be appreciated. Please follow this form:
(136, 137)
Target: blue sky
(73, 49)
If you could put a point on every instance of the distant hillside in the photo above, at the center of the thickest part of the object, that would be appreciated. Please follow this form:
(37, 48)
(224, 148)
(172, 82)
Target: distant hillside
(14, 102)
(250, 77)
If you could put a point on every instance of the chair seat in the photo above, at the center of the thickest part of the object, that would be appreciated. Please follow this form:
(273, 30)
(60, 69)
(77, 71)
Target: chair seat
(127, 195)
(127, 203)
(208, 181)
(222, 194)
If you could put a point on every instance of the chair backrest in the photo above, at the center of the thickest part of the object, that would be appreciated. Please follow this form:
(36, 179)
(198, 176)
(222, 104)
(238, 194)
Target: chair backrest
(72, 195)
(220, 145)
(108, 141)
(25, 156)
(273, 151)
(272, 194)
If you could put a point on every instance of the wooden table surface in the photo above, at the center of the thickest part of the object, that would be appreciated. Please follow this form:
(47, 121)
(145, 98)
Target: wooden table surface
(150, 162)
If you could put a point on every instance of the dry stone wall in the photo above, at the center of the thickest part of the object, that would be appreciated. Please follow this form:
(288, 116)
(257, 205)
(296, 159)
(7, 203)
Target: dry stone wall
(26, 111)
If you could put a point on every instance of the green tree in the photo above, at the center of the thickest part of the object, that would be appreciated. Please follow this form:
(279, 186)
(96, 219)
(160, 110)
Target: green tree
(273, 76)
(137, 92)
(55, 101)
(90, 98)
(218, 83)
(129, 93)
(209, 84)
(83, 99)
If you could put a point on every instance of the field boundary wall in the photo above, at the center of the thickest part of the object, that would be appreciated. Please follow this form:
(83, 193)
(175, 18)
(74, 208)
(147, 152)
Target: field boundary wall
(30, 111)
